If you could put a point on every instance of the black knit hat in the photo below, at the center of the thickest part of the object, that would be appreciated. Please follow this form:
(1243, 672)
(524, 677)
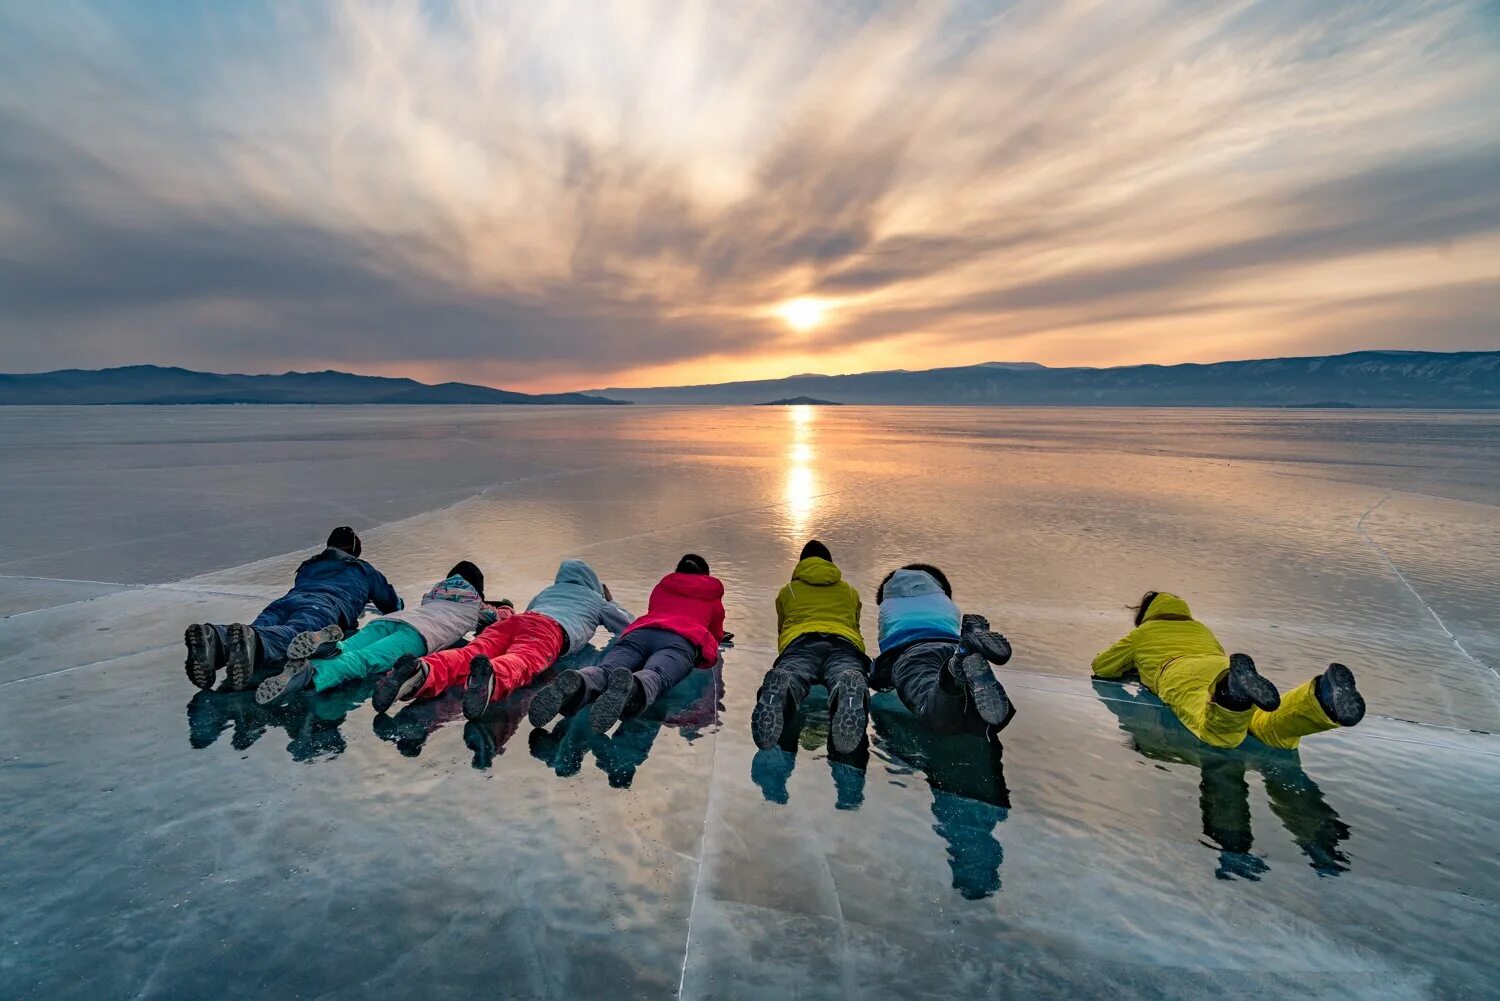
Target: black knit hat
(692, 563)
(816, 548)
(470, 573)
(344, 538)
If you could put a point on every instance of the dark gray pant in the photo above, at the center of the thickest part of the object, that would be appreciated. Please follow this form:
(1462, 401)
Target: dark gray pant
(817, 659)
(659, 659)
(940, 703)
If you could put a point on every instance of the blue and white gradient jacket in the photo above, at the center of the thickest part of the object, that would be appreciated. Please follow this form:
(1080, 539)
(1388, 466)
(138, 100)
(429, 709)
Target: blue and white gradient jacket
(914, 608)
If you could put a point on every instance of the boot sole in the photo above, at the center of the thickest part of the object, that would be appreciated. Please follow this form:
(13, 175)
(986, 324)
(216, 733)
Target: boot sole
(769, 715)
(850, 719)
(1348, 704)
(239, 664)
(606, 710)
(292, 679)
(479, 688)
(304, 645)
(989, 646)
(388, 688)
(989, 697)
(547, 703)
(1259, 690)
(200, 667)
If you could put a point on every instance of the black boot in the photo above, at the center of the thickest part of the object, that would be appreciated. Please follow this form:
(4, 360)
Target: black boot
(979, 638)
(203, 655)
(1243, 687)
(401, 682)
(1338, 696)
(618, 693)
(239, 659)
(562, 696)
(848, 712)
(480, 687)
(989, 697)
(770, 712)
(295, 677)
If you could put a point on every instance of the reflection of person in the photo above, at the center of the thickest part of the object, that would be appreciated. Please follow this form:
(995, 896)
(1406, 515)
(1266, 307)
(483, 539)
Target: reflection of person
(682, 628)
(311, 724)
(453, 608)
(563, 616)
(1219, 698)
(818, 643)
(410, 728)
(1224, 796)
(328, 595)
(937, 661)
(969, 794)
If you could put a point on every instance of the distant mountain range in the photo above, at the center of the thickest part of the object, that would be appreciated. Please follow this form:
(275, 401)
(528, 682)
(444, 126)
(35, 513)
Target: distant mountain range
(152, 384)
(1456, 379)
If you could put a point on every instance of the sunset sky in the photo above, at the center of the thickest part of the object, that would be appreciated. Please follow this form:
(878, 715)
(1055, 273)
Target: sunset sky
(563, 195)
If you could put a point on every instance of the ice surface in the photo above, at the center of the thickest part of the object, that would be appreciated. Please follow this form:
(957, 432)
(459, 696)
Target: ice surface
(163, 843)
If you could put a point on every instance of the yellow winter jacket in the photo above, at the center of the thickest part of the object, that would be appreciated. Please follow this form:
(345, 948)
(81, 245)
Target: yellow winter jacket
(817, 600)
(1168, 631)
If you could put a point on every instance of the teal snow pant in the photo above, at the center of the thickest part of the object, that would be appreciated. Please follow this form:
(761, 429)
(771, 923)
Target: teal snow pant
(373, 649)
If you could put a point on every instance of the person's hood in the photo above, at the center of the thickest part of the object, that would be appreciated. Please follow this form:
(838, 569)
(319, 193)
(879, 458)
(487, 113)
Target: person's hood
(1167, 606)
(454, 588)
(332, 553)
(578, 572)
(818, 571)
(911, 583)
(694, 585)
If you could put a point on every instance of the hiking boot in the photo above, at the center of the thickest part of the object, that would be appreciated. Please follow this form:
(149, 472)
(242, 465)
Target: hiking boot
(848, 714)
(979, 638)
(1244, 687)
(239, 658)
(770, 712)
(401, 682)
(611, 703)
(990, 700)
(562, 696)
(296, 676)
(203, 654)
(1338, 696)
(306, 645)
(480, 687)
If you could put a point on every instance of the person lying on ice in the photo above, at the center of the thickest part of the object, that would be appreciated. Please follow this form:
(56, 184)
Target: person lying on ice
(818, 643)
(682, 628)
(507, 655)
(327, 597)
(935, 658)
(453, 608)
(1221, 699)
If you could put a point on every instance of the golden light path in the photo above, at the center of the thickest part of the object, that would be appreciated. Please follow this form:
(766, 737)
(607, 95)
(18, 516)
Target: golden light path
(801, 482)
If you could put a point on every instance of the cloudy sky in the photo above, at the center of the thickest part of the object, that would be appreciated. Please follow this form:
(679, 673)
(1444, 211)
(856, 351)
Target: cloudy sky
(578, 194)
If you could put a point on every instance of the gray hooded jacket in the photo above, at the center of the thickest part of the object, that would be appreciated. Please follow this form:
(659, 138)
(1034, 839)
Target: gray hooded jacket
(575, 601)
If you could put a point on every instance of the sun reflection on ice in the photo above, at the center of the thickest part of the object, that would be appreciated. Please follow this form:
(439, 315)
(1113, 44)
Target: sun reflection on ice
(801, 481)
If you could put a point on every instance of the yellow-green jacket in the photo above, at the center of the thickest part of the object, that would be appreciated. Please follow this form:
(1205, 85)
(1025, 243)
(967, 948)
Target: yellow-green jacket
(1168, 630)
(817, 600)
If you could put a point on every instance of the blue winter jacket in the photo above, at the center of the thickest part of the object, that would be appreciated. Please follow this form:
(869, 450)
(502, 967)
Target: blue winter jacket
(575, 601)
(914, 608)
(347, 583)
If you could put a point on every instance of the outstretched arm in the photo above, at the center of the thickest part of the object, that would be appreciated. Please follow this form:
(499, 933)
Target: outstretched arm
(615, 618)
(382, 594)
(1117, 661)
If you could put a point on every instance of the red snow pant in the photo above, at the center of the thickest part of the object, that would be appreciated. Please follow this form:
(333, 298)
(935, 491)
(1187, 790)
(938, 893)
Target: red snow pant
(520, 648)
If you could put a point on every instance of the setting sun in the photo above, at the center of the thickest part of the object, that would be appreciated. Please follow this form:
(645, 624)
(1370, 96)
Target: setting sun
(803, 314)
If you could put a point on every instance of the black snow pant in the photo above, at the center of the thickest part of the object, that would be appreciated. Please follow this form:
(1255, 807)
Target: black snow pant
(939, 701)
(659, 659)
(816, 659)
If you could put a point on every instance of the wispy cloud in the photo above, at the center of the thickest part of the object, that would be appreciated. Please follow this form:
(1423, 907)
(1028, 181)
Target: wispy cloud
(569, 194)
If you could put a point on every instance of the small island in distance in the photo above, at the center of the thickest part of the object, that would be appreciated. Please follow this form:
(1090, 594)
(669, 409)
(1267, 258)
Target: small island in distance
(800, 401)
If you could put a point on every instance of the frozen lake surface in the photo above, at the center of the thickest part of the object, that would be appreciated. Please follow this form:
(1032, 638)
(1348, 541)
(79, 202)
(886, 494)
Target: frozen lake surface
(158, 842)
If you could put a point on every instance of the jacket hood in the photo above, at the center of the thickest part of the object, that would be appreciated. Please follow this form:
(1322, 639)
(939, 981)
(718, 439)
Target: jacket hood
(578, 572)
(910, 583)
(693, 585)
(331, 553)
(1167, 606)
(453, 588)
(816, 570)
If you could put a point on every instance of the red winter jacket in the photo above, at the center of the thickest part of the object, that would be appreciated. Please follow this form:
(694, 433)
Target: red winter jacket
(692, 606)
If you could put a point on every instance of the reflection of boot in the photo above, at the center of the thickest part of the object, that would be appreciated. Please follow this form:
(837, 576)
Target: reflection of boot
(848, 714)
(769, 715)
(239, 658)
(1244, 687)
(770, 770)
(203, 654)
(205, 722)
(849, 775)
(1338, 696)
(477, 738)
(1303, 810)
(979, 638)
